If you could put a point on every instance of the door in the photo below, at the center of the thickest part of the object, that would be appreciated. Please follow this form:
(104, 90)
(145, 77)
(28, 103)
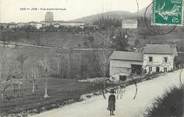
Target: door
(157, 69)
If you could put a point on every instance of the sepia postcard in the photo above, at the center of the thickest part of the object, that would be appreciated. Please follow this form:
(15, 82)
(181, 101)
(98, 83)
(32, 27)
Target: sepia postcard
(91, 58)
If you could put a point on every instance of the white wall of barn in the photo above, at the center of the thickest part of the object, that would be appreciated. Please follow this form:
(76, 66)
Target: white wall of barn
(121, 67)
(158, 61)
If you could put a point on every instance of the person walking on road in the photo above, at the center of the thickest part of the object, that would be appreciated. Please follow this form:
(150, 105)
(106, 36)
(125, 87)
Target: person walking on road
(111, 102)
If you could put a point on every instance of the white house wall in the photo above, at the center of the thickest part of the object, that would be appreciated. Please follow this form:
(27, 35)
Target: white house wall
(121, 67)
(158, 61)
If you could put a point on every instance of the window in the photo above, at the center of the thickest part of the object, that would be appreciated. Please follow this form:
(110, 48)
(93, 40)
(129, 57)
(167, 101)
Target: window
(165, 69)
(122, 78)
(150, 59)
(165, 59)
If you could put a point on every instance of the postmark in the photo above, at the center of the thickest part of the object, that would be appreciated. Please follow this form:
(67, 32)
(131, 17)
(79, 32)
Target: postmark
(155, 29)
(167, 12)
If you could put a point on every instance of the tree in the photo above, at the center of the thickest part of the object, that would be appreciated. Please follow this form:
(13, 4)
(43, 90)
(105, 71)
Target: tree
(137, 43)
(43, 63)
(106, 22)
(3, 63)
(120, 41)
(45, 67)
(33, 74)
(10, 77)
(21, 59)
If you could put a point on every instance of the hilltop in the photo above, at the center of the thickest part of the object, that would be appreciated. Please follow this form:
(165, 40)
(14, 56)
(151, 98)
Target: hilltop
(113, 14)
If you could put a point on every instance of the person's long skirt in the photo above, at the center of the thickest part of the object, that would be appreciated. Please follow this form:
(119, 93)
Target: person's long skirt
(111, 106)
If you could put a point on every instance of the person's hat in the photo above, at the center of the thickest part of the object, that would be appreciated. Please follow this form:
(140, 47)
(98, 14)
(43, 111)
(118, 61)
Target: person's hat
(112, 91)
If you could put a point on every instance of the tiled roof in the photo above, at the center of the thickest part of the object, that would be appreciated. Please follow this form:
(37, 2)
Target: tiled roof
(124, 55)
(159, 49)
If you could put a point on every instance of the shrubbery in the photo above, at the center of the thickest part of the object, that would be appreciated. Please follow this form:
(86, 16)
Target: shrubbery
(170, 105)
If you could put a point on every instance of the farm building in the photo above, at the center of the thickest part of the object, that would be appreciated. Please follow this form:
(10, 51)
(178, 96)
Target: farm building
(123, 63)
(153, 58)
(159, 57)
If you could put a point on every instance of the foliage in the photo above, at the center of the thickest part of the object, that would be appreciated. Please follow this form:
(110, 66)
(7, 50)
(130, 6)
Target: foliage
(119, 41)
(105, 22)
(179, 60)
(170, 105)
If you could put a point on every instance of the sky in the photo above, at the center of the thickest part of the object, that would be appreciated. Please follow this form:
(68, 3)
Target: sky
(21, 10)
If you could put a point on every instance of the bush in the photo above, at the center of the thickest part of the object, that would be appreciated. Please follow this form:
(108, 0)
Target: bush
(170, 105)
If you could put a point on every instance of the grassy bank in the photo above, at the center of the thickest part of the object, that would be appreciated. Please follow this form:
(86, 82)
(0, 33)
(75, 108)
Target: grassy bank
(171, 104)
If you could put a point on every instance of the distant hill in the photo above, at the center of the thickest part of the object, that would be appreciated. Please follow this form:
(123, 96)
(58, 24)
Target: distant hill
(112, 14)
(142, 12)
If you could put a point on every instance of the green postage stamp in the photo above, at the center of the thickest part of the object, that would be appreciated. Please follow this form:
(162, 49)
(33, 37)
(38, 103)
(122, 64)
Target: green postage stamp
(167, 12)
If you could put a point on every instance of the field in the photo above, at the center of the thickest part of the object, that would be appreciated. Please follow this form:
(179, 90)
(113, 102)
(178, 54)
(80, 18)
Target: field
(58, 39)
(60, 91)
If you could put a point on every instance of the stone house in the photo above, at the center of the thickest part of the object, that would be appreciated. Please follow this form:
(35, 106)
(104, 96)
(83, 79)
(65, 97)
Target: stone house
(153, 58)
(158, 57)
